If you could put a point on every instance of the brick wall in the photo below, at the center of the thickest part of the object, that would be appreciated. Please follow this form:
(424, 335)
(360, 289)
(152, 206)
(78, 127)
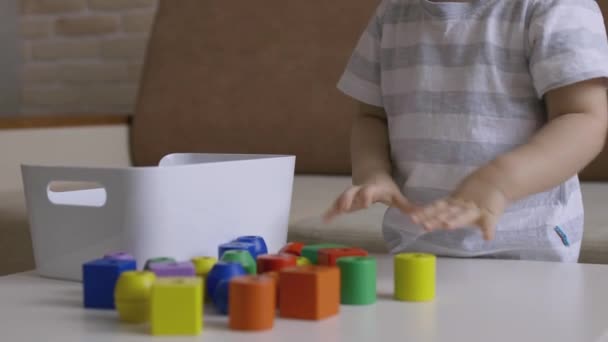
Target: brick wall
(82, 56)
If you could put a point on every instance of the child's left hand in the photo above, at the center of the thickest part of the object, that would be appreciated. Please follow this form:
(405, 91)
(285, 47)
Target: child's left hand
(475, 202)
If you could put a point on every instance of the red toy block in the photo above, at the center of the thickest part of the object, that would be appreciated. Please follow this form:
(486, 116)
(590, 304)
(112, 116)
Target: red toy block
(275, 262)
(294, 248)
(329, 256)
(252, 303)
(309, 292)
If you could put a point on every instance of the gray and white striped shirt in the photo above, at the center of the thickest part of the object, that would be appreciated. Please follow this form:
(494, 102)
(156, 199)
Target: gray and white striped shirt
(462, 83)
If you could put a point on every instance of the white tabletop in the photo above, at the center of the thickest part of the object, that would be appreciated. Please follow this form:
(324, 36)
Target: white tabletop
(477, 300)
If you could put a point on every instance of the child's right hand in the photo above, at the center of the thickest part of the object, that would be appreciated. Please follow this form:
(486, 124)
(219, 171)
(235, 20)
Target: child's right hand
(357, 197)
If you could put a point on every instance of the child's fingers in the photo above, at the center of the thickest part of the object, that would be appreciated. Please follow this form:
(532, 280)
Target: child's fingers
(346, 199)
(488, 234)
(332, 212)
(429, 212)
(449, 214)
(400, 202)
(366, 196)
(341, 204)
(488, 227)
(464, 218)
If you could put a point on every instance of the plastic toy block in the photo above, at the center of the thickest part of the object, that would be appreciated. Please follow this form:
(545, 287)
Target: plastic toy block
(176, 306)
(311, 251)
(294, 248)
(243, 258)
(252, 303)
(157, 260)
(222, 270)
(173, 269)
(99, 279)
(220, 296)
(132, 296)
(302, 261)
(309, 292)
(243, 246)
(329, 256)
(119, 256)
(275, 276)
(275, 262)
(357, 280)
(414, 277)
(257, 241)
(202, 265)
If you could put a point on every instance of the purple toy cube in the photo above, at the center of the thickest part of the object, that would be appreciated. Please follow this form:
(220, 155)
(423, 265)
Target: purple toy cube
(173, 269)
(119, 256)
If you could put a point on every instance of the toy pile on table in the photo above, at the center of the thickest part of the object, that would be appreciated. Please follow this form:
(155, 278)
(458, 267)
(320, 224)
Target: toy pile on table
(302, 281)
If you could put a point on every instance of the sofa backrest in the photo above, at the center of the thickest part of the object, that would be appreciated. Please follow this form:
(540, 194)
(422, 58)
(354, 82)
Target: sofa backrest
(249, 77)
(255, 77)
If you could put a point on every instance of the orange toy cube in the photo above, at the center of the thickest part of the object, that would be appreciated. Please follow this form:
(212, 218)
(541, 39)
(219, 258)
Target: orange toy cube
(252, 302)
(309, 292)
(329, 256)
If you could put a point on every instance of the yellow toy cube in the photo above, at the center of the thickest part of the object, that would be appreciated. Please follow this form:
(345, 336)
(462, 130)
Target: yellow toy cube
(177, 306)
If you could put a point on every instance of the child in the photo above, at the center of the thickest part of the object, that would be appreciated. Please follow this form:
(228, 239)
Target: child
(478, 114)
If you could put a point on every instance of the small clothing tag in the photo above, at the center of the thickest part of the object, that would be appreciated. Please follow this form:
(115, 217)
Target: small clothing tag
(562, 235)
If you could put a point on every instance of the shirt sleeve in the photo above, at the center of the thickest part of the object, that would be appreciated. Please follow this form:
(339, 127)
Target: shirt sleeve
(567, 42)
(361, 79)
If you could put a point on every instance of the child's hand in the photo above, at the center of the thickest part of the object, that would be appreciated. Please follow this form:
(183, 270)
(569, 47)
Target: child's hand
(475, 203)
(382, 189)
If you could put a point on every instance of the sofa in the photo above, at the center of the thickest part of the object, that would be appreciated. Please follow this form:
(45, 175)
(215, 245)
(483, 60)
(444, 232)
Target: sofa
(236, 77)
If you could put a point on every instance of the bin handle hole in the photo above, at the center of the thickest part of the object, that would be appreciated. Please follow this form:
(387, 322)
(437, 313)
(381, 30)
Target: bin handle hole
(82, 194)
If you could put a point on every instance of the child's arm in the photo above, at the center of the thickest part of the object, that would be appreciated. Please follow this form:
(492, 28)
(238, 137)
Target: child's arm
(573, 137)
(371, 166)
(370, 151)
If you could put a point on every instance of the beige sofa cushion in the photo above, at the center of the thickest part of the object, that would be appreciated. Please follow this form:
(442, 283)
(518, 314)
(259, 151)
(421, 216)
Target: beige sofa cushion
(312, 195)
(363, 229)
(15, 240)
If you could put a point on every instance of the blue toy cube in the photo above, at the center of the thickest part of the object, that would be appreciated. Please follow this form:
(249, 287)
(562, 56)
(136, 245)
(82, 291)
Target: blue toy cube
(243, 246)
(99, 278)
(257, 241)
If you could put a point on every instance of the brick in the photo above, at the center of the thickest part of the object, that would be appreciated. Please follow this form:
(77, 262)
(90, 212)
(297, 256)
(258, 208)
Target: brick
(45, 73)
(35, 29)
(49, 96)
(137, 22)
(25, 51)
(64, 50)
(88, 25)
(134, 48)
(117, 5)
(134, 71)
(52, 6)
(93, 72)
(108, 95)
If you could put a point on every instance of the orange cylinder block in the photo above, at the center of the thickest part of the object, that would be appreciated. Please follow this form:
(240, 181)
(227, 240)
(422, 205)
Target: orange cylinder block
(252, 303)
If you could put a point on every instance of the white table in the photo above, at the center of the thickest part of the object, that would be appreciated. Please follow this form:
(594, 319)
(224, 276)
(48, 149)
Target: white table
(477, 300)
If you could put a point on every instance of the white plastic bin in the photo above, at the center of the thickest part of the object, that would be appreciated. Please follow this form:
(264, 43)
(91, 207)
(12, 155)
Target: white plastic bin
(185, 207)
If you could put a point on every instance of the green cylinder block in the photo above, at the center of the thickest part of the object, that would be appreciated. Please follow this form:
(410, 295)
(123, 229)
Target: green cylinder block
(357, 280)
(311, 252)
(242, 257)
